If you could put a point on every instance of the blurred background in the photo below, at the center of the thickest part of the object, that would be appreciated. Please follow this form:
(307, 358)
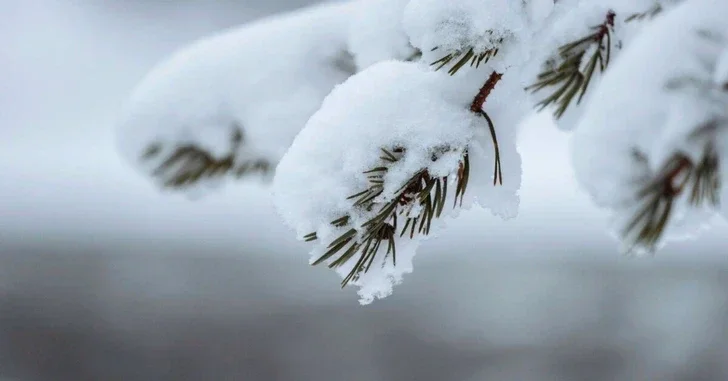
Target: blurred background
(103, 277)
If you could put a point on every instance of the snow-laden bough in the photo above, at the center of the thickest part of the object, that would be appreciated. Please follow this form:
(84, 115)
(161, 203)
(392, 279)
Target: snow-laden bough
(229, 105)
(376, 170)
(578, 42)
(428, 124)
(650, 143)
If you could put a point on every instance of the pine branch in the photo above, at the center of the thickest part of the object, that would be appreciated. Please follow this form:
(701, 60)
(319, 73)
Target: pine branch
(421, 192)
(187, 164)
(418, 201)
(471, 56)
(657, 198)
(477, 107)
(573, 75)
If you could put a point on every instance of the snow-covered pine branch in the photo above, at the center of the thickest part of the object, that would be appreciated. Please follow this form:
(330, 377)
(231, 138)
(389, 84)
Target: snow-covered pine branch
(427, 122)
(650, 144)
(229, 105)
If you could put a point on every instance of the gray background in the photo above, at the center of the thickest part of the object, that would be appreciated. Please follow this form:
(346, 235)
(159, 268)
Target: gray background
(102, 277)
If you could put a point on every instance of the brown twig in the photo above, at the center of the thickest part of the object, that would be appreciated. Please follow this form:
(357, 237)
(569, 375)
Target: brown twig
(603, 29)
(673, 187)
(657, 197)
(477, 107)
(482, 96)
(566, 72)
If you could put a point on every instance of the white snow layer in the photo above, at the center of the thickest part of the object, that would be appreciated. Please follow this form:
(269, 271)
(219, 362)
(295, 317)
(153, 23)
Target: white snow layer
(635, 108)
(266, 79)
(376, 33)
(391, 104)
(438, 27)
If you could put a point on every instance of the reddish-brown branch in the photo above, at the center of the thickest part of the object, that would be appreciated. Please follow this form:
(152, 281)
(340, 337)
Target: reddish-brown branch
(603, 29)
(477, 107)
(488, 86)
(672, 186)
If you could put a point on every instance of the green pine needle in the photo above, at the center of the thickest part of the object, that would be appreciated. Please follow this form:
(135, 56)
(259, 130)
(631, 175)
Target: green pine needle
(188, 164)
(570, 78)
(648, 14)
(421, 190)
(464, 57)
(657, 198)
(498, 170)
(706, 185)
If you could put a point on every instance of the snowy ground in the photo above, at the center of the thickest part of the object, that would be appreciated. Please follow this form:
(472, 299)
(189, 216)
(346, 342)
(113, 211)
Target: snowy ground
(103, 277)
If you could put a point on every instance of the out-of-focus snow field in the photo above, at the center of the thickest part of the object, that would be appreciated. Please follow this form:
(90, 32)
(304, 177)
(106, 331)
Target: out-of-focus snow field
(104, 277)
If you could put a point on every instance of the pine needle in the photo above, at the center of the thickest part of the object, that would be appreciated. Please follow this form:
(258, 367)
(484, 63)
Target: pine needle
(468, 56)
(656, 199)
(186, 165)
(421, 190)
(655, 10)
(574, 73)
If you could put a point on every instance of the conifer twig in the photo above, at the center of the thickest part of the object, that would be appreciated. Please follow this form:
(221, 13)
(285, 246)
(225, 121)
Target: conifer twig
(188, 164)
(422, 191)
(573, 75)
(469, 55)
(477, 107)
(461, 58)
(657, 198)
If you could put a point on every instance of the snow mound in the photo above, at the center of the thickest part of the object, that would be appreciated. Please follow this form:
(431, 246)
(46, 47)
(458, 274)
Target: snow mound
(376, 33)
(456, 25)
